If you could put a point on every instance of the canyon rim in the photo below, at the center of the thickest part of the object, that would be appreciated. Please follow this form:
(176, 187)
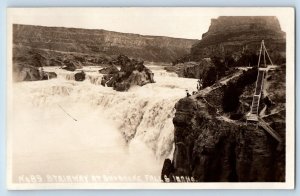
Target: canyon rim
(150, 98)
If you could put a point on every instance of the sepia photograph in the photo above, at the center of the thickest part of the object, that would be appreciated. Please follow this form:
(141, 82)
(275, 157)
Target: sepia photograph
(156, 98)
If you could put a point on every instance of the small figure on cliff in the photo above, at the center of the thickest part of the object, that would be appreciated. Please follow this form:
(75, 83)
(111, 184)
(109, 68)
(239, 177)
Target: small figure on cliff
(41, 73)
(199, 85)
(103, 81)
(187, 93)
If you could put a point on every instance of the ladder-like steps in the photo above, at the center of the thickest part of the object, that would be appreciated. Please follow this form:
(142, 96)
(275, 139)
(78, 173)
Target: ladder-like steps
(256, 97)
(253, 114)
(259, 82)
(255, 104)
(269, 129)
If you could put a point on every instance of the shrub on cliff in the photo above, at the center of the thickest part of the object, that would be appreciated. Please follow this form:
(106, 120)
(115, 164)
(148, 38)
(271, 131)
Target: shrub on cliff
(218, 70)
(247, 59)
(210, 77)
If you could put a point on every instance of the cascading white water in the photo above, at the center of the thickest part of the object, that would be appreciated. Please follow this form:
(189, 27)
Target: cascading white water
(116, 133)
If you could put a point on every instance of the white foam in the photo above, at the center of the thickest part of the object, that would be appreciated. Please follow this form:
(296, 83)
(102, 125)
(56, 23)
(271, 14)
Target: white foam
(46, 139)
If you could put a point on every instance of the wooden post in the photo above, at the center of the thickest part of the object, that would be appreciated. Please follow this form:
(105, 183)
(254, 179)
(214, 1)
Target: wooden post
(261, 45)
(264, 51)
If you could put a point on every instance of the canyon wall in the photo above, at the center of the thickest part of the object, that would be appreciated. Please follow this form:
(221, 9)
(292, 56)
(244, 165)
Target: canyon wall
(100, 42)
(231, 35)
(213, 142)
(239, 37)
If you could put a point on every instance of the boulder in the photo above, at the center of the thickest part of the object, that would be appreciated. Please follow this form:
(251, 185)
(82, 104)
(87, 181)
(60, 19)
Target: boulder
(109, 70)
(55, 62)
(48, 75)
(132, 72)
(71, 65)
(167, 170)
(80, 76)
(205, 69)
(105, 79)
(125, 80)
(122, 60)
(27, 73)
(31, 73)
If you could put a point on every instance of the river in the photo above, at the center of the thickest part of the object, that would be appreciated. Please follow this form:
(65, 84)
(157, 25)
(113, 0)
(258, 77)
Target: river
(64, 127)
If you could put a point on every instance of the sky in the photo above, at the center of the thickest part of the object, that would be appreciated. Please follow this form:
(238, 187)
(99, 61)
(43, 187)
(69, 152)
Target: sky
(173, 22)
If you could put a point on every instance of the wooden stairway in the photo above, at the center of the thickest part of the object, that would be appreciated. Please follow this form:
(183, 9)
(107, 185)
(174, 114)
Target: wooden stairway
(269, 129)
(253, 114)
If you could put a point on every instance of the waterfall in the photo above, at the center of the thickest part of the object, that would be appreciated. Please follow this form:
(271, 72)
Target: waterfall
(130, 127)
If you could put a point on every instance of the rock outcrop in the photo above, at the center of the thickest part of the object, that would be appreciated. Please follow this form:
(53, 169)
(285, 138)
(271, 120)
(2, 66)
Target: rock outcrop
(80, 76)
(214, 144)
(207, 69)
(231, 35)
(239, 37)
(30, 73)
(71, 65)
(112, 69)
(96, 42)
(132, 73)
(34, 58)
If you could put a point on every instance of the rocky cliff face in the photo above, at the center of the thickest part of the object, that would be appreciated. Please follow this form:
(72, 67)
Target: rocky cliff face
(107, 43)
(235, 36)
(236, 40)
(213, 143)
(230, 42)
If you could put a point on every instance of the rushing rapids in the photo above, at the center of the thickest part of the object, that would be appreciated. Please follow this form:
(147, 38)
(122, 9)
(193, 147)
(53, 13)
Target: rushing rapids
(85, 128)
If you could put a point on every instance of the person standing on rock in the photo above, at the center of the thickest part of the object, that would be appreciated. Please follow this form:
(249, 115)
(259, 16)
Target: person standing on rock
(187, 93)
(199, 85)
(41, 73)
